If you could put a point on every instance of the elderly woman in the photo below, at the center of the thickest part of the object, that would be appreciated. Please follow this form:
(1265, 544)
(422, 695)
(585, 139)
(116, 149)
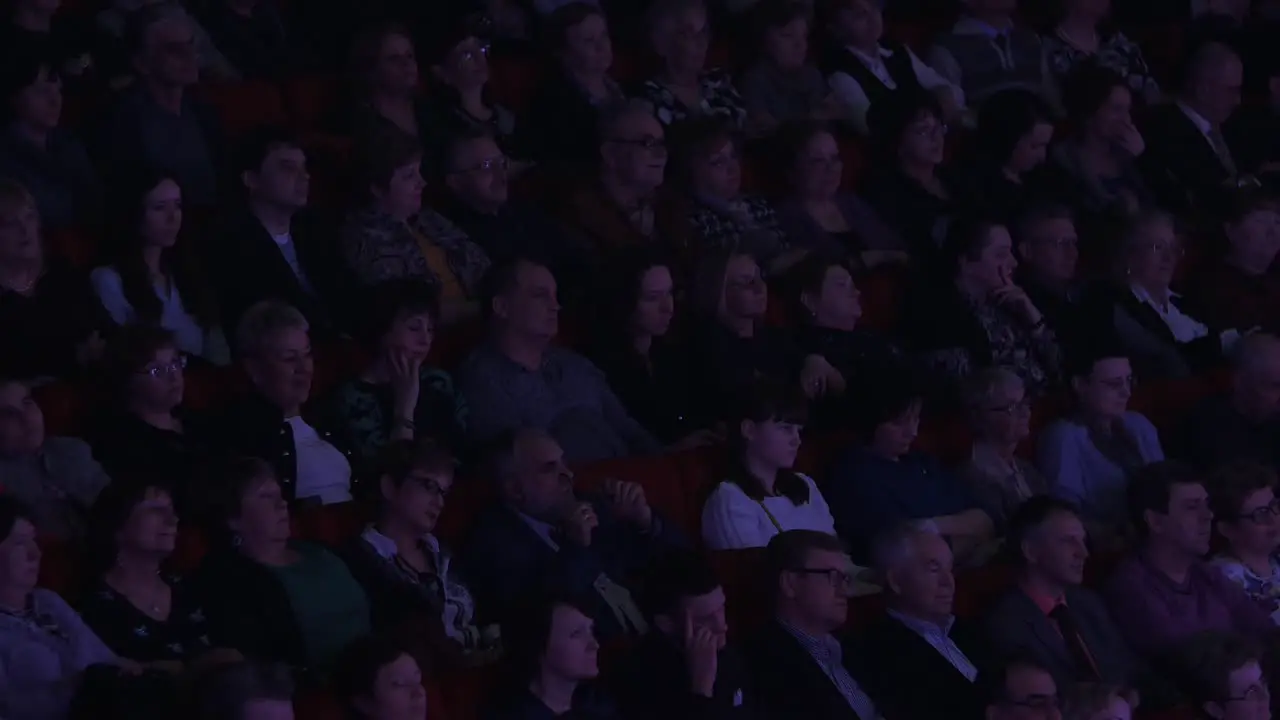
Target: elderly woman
(275, 352)
(399, 396)
(56, 476)
(782, 85)
(393, 236)
(266, 596)
(999, 416)
(684, 88)
(1247, 516)
(413, 587)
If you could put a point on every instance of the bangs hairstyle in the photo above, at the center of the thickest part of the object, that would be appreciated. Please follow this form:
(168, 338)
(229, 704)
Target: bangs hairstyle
(130, 349)
(888, 120)
(394, 300)
(694, 140)
(379, 156)
(774, 402)
(1004, 119)
(526, 634)
(885, 401)
(109, 514)
(401, 458)
(1231, 484)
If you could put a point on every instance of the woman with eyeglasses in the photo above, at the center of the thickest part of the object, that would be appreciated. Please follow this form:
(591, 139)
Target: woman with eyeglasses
(145, 432)
(153, 278)
(1245, 509)
(1089, 455)
(413, 587)
(1221, 675)
(1000, 420)
(680, 35)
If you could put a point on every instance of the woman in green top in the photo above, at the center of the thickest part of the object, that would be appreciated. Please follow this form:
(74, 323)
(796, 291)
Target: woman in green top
(271, 597)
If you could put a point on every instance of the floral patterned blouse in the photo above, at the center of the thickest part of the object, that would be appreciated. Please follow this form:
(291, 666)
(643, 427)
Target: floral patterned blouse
(1264, 590)
(136, 635)
(1115, 52)
(719, 99)
(748, 223)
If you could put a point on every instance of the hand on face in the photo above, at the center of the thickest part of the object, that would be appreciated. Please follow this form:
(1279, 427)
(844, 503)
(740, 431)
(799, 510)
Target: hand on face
(701, 650)
(579, 524)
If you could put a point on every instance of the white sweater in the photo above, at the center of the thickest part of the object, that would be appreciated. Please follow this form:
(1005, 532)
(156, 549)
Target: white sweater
(731, 520)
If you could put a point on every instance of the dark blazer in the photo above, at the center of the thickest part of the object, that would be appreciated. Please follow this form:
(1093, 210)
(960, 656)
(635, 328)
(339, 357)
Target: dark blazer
(789, 682)
(248, 608)
(1151, 345)
(910, 679)
(652, 683)
(1180, 164)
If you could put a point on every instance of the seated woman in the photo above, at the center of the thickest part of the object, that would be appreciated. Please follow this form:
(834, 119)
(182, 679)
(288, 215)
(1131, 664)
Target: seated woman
(246, 691)
(394, 236)
(734, 347)
(1010, 145)
(384, 70)
(1147, 316)
(275, 348)
(974, 315)
(881, 481)
(563, 116)
(1084, 35)
(1000, 419)
(684, 88)
(1240, 290)
(57, 477)
(141, 612)
(642, 362)
(399, 396)
(45, 648)
(413, 588)
(265, 595)
(146, 433)
(819, 214)
(153, 277)
(1245, 509)
(782, 85)
(909, 187)
(42, 300)
(39, 152)
(722, 217)
(378, 679)
(1090, 455)
(763, 496)
(554, 658)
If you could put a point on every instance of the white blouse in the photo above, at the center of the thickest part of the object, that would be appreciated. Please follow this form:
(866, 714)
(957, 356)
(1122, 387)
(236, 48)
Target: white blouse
(731, 520)
(323, 471)
(190, 337)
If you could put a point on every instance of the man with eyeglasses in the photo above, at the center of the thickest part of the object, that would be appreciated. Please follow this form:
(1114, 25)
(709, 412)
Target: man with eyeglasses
(1221, 673)
(798, 665)
(1048, 253)
(1022, 690)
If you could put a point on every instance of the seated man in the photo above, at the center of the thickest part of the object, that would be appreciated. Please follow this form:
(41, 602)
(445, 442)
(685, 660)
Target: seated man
(1243, 424)
(925, 660)
(1164, 592)
(518, 378)
(542, 535)
(796, 662)
(683, 669)
(1021, 689)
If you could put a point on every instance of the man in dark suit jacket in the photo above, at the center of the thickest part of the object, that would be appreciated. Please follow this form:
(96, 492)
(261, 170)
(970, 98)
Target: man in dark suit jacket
(797, 664)
(1050, 618)
(925, 660)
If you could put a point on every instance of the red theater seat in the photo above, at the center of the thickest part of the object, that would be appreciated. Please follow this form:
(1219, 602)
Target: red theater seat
(310, 101)
(244, 106)
(331, 525)
(64, 406)
(74, 245)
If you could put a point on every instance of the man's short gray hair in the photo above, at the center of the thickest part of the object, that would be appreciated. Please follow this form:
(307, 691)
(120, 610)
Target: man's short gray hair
(263, 321)
(892, 546)
(978, 388)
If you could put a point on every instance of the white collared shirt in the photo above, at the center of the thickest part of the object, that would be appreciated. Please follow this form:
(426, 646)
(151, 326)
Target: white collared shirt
(1204, 126)
(1184, 327)
(939, 637)
(854, 98)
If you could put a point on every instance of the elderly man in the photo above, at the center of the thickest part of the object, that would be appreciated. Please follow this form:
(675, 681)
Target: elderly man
(1244, 423)
(923, 662)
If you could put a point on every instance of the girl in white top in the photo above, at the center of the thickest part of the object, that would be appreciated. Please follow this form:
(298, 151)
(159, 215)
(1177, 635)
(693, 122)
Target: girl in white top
(762, 495)
(152, 278)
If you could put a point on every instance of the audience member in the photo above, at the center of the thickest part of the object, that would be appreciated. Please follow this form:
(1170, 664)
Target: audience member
(685, 667)
(762, 496)
(38, 150)
(1021, 689)
(275, 351)
(519, 379)
(154, 277)
(818, 214)
(685, 88)
(1241, 290)
(881, 481)
(986, 52)
(1084, 35)
(541, 533)
(922, 661)
(782, 84)
(1000, 420)
(56, 477)
(1048, 253)
(1164, 593)
(36, 28)
(1242, 496)
(1244, 422)
(864, 68)
(555, 659)
(1221, 673)
(247, 691)
(157, 123)
(111, 58)
(377, 679)
(267, 596)
(393, 236)
(1098, 701)
(1091, 456)
(398, 395)
(1010, 146)
(413, 587)
(389, 104)
(255, 36)
(797, 663)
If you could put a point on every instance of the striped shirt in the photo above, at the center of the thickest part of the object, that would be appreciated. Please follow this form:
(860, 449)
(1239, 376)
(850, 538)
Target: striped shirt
(826, 651)
(939, 636)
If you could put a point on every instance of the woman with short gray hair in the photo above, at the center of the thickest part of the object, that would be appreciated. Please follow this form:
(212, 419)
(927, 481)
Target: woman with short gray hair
(999, 417)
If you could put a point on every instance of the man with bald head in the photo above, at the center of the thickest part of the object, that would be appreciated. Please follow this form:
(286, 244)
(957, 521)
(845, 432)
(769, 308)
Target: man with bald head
(922, 662)
(1187, 158)
(1244, 423)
